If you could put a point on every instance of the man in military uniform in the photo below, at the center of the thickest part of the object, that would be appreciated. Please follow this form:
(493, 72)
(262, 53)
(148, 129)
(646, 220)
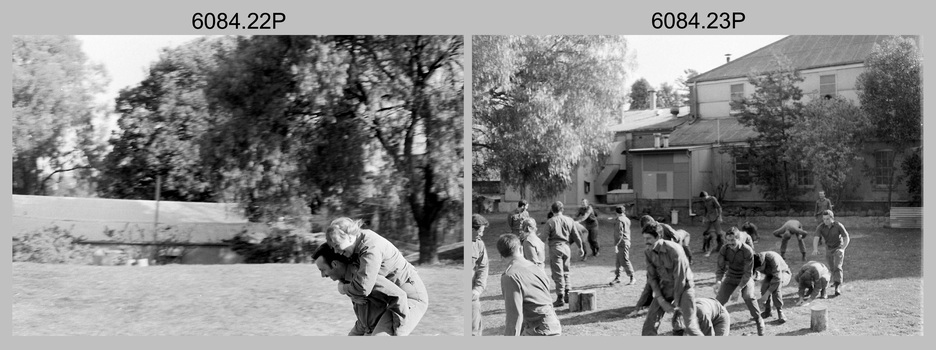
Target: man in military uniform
(479, 263)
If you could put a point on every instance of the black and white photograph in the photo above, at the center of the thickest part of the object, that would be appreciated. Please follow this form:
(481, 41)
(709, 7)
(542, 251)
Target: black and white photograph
(717, 185)
(221, 185)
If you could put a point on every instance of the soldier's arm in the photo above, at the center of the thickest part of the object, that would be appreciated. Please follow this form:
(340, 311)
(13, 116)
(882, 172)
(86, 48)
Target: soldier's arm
(680, 274)
(653, 277)
(845, 238)
(479, 280)
(748, 266)
(366, 276)
(513, 304)
(721, 266)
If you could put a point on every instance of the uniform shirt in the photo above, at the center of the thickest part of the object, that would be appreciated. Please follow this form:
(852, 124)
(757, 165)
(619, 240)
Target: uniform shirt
(834, 235)
(813, 275)
(560, 228)
(823, 204)
(534, 250)
(526, 293)
(773, 263)
(708, 310)
(515, 219)
(385, 297)
(735, 265)
(376, 256)
(668, 272)
(668, 233)
(588, 214)
(479, 260)
(622, 234)
(712, 208)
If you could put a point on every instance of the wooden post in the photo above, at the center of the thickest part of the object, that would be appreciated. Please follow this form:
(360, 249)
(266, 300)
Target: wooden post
(588, 300)
(819, 318)
(575, 305)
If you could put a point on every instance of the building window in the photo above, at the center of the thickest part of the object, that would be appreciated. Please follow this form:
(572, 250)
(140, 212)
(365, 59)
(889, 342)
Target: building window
(742, 170)
(804, 176)
(826, 86)
(883, 170)
(587, 187)
(737, 95)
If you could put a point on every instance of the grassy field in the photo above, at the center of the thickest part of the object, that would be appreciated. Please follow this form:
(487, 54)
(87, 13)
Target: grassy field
(270, 299)
(882, 295)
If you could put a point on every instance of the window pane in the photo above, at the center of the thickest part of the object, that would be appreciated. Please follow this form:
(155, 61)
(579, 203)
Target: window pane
(826, 85)
(661, 182)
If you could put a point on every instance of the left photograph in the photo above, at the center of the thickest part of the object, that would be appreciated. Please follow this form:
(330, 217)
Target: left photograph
(238, 185)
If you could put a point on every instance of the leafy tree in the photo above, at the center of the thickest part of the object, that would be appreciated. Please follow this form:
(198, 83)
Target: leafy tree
(53, 107)
(772, 111)
(639, 95)
(285, 140)
(667, 96)
(161, 122)
(890, 91)
(913, 167)
(682, 87)
(825, 143)
(542, 105)
(298, 118)
(412, 88)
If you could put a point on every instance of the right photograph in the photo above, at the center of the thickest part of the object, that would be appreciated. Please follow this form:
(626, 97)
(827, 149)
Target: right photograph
(712, 185)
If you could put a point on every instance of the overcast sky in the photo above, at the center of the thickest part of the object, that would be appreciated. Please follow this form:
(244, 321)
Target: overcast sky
(662, 58)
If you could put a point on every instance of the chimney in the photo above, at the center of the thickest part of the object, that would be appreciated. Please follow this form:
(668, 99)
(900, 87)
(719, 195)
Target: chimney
(652, 99)
(656, 140)
(727, 57)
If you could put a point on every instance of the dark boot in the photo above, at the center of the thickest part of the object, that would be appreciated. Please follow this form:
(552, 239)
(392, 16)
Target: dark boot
(566, 297)
(760, 326)
(559, 302)
(780, 318)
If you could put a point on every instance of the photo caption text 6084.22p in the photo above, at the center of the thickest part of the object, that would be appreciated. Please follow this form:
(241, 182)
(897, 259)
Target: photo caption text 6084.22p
(221, 20)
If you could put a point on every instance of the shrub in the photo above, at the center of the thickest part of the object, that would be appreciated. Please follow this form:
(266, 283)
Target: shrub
(53, 245)
(279, 246)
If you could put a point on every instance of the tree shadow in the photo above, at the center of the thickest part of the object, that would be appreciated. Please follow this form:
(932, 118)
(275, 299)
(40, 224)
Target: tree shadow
(593, 317)
(801, 331)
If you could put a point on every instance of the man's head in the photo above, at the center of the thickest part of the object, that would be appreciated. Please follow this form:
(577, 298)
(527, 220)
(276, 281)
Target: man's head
(478, 224)
(821, 194)
(522, 205)
(651, 236)
(750, 228)
(646, 220)
(827, 217)
(556, 208)
(330, 263)
(732, 239)
(342, 233)
(759, 261)
(528, 227)
(703, 194)
(619, 209)
(509, 245)
(584, 202)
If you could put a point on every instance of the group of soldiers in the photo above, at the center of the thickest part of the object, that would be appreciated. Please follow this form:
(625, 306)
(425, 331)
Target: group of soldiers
(670, 286)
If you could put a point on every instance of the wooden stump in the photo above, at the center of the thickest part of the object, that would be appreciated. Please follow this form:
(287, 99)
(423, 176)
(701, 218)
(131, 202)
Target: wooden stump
(575, 305)
(588, 300)
(819, 318)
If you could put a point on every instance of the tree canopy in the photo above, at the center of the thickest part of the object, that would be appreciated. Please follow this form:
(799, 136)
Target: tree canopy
(890, 90)
(639, 96)
(772, 111)
(53, 106)
(542, 105)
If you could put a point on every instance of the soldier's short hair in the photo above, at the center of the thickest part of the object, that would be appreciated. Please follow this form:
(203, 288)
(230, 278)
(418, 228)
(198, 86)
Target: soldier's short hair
(507, 243)
(557, 207)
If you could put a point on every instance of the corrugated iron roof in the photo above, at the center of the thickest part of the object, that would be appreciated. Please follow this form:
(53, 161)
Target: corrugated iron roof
(633, 120)
(804, 52)
(709, 131)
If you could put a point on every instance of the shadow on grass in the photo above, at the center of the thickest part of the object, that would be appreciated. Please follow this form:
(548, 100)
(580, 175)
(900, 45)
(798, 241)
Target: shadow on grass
(801, 331)
(598, 316)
